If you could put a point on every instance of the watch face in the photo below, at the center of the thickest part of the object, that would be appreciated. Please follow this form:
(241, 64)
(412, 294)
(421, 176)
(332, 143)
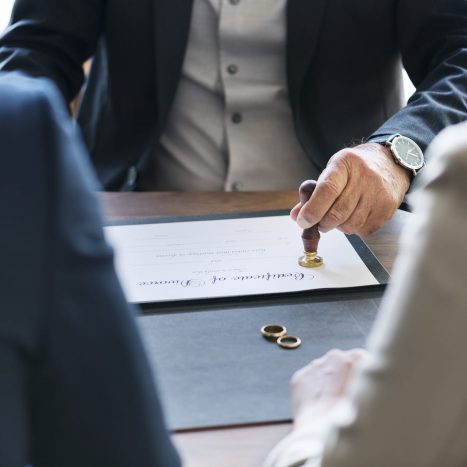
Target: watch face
(408, 152)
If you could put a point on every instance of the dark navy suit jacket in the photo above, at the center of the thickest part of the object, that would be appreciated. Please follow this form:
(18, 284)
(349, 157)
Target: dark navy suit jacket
(75, 386)
(343, 66)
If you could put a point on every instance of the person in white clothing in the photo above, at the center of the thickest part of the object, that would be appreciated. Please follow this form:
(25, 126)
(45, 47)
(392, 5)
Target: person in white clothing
(402, 403)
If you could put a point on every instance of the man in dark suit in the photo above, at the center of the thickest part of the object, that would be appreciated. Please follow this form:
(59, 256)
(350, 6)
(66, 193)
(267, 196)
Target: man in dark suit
(174, 99)
(75, 386)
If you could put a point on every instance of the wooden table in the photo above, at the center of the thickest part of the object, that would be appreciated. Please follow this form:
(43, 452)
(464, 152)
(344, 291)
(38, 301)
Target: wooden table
(239, 446)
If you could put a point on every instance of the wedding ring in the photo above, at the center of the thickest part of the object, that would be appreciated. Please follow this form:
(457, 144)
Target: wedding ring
(289, 342)
(273, 331)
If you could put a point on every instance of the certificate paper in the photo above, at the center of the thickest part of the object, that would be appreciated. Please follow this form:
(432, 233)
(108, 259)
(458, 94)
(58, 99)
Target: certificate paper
(205, 259)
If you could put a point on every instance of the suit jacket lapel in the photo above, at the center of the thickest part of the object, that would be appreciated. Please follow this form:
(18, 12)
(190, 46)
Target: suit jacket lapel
(304, 19)
(172, 25)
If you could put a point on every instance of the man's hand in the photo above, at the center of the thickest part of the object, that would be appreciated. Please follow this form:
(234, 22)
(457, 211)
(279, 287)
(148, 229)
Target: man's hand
(359, 191)
(317, 387)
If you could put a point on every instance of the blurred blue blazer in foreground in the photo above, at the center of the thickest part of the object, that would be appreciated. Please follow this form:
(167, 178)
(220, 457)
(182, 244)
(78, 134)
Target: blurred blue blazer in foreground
(75, 386)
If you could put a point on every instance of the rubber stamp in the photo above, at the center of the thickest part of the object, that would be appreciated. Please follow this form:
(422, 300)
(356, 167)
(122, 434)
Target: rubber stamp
(310, 236)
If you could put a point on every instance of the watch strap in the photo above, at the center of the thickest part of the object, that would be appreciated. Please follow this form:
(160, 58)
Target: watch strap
(384, 138)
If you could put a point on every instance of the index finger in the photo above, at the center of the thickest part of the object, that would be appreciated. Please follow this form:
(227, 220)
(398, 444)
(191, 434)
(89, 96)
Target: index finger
(331, 184)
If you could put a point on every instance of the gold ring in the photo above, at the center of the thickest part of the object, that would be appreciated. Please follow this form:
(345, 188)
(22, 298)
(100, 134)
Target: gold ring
(289, 342)
(273, 331)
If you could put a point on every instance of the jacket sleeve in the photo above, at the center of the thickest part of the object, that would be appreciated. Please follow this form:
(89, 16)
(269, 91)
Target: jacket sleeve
(432, 38)
(52, 38)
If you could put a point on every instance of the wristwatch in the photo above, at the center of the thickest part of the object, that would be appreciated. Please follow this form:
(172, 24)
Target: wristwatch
(405, 151)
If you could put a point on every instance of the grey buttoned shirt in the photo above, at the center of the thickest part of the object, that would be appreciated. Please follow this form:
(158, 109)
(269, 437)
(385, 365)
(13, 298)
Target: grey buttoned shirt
(231, 126)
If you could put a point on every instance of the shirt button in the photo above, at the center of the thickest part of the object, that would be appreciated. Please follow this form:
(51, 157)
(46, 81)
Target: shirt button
(237, 118)
(234, 2)
(131, 176)
(232, 69)
(236, 186)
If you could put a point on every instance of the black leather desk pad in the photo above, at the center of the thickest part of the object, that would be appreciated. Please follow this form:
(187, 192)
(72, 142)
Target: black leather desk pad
(215, 369)
(213, 366)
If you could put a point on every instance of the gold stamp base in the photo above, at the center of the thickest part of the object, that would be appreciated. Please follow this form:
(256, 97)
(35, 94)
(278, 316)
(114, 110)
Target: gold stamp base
(310, 260)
